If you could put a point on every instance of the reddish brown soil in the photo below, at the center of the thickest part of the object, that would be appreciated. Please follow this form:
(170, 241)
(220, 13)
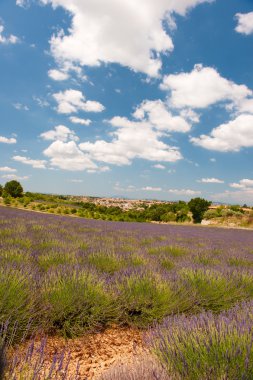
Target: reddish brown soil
(95, 352)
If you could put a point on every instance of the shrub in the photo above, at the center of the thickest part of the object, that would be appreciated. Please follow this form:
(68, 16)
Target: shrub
(18, 304)
(210, 214)
(76, 302)
(172, 250)
(212, 290)
(144, 299)
(105, 262)
(206, 346)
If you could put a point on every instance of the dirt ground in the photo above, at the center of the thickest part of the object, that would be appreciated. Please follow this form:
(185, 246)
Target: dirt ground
(92, 353)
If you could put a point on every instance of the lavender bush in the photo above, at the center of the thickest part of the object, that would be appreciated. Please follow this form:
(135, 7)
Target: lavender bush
(69, 275)
(207, 346)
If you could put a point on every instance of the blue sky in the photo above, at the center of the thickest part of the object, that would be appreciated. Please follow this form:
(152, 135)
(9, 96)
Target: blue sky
(138, 99)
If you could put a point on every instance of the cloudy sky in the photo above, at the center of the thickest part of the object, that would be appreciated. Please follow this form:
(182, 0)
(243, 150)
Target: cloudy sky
(143, 99)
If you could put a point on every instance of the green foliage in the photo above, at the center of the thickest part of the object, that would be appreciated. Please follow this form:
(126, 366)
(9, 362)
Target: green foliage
(18, 305)
(7, 200)
(213, 291)
(76, 302)
(106, 262)
(210, 214)
(206, 347)
(198, 207)
(172, 250)
(144, 299)
(1, 190)
(14, 189)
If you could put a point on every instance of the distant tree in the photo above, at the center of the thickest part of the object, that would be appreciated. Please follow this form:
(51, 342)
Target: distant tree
(198, 206)
(14, 189)
(1, 190)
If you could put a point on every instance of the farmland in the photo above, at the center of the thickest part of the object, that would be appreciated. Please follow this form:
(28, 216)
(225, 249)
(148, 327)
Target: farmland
(187, 289)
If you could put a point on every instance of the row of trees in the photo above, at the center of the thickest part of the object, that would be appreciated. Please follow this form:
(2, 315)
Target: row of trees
(176, 212)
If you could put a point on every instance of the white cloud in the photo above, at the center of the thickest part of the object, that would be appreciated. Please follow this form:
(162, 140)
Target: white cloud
(157, 114)
(130, 33)
(6, 140)
(245, 23)
(60, 133)
(159, 166)
(184, 192)
(78, 120)
(22, 3)
(76, 181)
(14, 176)
(129, 188)
(7, 169)
(203, 87)
(72, 101)
(233, 136)
(57, 75)
(67, 156)
(243, 184)
(41, 102)
(212, 160)
(21, 107)
(210, 180)
(11, 39)
(128, 144)
(240, 196)
(150, 188)
(36, 164)
(101, 169)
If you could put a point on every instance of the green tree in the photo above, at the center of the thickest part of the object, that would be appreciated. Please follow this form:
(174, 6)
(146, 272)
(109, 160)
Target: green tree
(198, 206)
(1, 190)
(14, 189)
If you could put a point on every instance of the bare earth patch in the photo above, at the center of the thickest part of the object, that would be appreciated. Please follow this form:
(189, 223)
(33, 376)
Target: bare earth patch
(92, 354)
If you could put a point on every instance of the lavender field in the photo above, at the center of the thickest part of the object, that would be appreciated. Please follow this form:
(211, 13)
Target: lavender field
(193, 285)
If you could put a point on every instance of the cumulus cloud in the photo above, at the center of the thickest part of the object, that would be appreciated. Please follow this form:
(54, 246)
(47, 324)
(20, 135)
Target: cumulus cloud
(11, 39)
(7, 169)
(156, 113)
(210, 180)
(60, 133)
(57, 75)
(36, 164)
(7, 140)
(130, 33)
(242, 184)
(245, 23)
(229, 137)
(203, 87)
(68, 156)
(72, 101)
(128, 144)
(78, 120)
